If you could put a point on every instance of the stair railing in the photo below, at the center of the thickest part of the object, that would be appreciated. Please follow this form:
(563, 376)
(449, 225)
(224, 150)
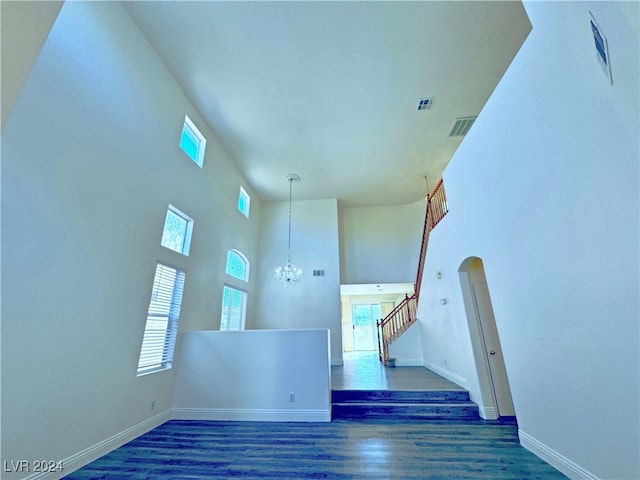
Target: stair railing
(395, 324)
(437, 202)
(404, 314)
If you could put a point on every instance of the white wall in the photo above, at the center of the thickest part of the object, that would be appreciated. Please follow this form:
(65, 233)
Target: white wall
(24, 44)
(90, 161)
(544, 190)
(250, 375)
(380, 244)
(407, 350)
(315, 302)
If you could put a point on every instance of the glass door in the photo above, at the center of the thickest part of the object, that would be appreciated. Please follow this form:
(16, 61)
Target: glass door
(364, 326)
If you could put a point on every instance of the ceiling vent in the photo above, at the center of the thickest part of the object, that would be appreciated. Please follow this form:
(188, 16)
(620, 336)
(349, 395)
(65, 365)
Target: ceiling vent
(426, 103)
(461, 126)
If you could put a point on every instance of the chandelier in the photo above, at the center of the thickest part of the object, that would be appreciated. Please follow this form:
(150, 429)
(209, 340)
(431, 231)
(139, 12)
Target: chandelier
(289, 274)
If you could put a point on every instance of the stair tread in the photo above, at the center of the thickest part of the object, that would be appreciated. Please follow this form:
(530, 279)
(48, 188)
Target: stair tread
(405, 404)
(401, 397)
(410, 404)
(412, 390)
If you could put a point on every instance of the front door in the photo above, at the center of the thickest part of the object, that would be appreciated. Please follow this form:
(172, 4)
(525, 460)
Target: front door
(364, 326)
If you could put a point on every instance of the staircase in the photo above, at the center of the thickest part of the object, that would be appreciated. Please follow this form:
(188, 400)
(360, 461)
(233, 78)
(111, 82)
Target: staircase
(403, 315)
(403, 405)
(429, 403)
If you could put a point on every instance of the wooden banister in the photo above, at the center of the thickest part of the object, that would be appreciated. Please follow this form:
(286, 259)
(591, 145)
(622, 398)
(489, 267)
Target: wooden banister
(423, 250)
(437, 204)
(404, 314)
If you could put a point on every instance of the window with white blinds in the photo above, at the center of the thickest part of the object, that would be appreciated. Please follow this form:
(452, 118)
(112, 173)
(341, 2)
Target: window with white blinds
(161, 328)
(233, 308)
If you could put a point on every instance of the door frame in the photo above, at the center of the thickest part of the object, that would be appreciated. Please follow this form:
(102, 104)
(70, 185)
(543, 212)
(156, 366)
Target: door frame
(489, 407)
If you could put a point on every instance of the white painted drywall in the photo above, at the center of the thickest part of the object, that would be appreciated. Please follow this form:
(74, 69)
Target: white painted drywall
(90, 162)
(381, 244)
(544, 189)
(407, 349)
(21, 45)
(250, 375)
(314, 302)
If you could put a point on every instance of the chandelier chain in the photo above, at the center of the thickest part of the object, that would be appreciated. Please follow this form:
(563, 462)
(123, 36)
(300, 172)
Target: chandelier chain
(289, 244)
(289, 274)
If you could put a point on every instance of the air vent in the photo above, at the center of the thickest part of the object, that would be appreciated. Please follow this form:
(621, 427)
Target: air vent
(602, 48)
(426, 103)
(461, 126)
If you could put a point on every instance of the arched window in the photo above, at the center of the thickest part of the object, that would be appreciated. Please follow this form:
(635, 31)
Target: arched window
(237, 265)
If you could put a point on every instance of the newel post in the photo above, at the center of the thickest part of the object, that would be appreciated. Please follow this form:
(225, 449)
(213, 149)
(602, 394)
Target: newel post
(406, 301)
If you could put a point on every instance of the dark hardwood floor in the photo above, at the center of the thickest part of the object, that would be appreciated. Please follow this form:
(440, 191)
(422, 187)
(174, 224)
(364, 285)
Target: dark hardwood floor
(363, 388)
(363, 371)
(371, 449)
(342, 449)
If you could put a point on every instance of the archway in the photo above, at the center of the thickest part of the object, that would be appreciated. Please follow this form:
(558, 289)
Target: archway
(490, 365)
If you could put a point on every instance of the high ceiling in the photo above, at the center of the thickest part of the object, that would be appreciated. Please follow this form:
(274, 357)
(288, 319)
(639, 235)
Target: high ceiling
(329, 90)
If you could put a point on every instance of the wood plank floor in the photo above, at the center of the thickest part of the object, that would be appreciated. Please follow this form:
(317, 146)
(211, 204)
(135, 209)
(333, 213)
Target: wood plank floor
(363, 388)
(182, 449)
(343, 449)
(363, 371)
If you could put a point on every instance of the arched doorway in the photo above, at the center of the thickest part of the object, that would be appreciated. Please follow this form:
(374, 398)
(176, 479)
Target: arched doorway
(492, 373)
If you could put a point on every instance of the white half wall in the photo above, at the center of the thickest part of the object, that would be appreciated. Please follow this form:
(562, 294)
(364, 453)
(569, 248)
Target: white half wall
(252, 375)
(544, 189)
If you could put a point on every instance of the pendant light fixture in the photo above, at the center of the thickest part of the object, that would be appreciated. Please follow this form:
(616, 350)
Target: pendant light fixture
(289, 274)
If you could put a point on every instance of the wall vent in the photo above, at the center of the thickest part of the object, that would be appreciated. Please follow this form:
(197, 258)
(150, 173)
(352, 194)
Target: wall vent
(318, 273)
(426, 103)
(602, 48)
(461, 126)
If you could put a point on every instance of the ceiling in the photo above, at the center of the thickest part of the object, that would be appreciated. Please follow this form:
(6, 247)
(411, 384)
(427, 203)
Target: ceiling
(329, 90)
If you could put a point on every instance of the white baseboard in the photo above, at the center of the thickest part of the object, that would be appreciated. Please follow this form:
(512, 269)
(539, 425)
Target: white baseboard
(555, 459)
(251, 415)
(89, 454)
(488, 413)
(409, 362)
(457, 379)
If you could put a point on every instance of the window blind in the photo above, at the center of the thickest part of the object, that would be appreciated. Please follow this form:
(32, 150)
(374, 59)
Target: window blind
(233, 302)
(161, 328)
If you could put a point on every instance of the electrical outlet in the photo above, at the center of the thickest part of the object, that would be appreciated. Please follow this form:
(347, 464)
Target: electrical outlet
(153, 405)
(292, 397)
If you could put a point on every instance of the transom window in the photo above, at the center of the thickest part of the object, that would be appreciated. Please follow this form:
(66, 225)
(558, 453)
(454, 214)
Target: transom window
(244, 202)
(158, 342)
(234, 302)
(177, 231)
(193, 142)
(237, 265)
